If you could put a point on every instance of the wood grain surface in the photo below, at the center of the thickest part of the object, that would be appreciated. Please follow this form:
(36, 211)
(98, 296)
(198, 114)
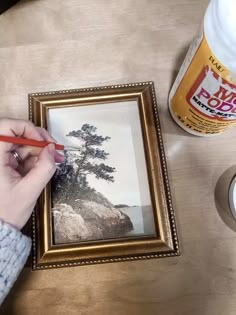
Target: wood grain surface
(52, 45)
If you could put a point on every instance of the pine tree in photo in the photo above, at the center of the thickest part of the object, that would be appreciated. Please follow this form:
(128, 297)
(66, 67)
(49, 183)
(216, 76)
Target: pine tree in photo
(70, 181)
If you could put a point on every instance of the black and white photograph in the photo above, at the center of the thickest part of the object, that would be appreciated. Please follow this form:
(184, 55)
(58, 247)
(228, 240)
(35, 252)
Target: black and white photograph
(101, 191)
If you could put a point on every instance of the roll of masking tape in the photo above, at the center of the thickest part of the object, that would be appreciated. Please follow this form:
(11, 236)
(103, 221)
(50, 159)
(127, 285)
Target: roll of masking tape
(232, 197)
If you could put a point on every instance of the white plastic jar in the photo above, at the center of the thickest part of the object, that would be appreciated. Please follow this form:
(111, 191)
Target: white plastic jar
(203, 98)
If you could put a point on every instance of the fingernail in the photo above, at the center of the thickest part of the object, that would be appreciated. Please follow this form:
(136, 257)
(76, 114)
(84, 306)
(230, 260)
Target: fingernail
(62, 158)
(51, 148)
(60, 161)
(61, 153)
(59, 157)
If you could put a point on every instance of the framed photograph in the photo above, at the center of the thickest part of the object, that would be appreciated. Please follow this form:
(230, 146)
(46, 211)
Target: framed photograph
(110, 200)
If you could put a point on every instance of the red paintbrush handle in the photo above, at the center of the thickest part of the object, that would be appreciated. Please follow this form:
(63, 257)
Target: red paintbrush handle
(29, 142)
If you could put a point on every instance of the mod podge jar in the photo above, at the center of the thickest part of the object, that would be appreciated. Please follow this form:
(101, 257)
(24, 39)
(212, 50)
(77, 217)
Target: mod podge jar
(203, 98)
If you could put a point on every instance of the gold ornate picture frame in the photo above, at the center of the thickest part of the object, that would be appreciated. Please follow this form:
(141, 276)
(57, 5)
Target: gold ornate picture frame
(110, 201)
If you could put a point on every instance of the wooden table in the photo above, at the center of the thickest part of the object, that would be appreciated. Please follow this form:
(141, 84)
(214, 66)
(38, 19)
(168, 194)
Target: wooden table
(49, 45)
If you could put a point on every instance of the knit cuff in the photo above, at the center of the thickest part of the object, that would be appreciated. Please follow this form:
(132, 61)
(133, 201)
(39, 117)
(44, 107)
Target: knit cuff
(14, 251)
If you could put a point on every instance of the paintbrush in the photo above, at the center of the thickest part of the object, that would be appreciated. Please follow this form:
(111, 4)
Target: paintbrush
(36, 143)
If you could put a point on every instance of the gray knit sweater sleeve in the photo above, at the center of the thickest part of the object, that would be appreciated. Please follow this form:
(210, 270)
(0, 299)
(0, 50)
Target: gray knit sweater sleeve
(14, 250)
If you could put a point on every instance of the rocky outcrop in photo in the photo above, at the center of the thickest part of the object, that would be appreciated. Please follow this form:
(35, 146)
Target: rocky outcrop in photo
(88, 220)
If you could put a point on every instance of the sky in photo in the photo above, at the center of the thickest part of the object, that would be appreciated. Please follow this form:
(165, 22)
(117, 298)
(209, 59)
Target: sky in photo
(121, 122)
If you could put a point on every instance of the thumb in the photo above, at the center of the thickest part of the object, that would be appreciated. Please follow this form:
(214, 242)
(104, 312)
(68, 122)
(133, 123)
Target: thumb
(38, 177)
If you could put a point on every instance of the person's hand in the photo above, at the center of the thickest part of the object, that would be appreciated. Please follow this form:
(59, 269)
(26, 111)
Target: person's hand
(22, 183)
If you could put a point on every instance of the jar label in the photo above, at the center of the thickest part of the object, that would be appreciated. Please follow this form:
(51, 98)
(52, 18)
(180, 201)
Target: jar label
(205, 99)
